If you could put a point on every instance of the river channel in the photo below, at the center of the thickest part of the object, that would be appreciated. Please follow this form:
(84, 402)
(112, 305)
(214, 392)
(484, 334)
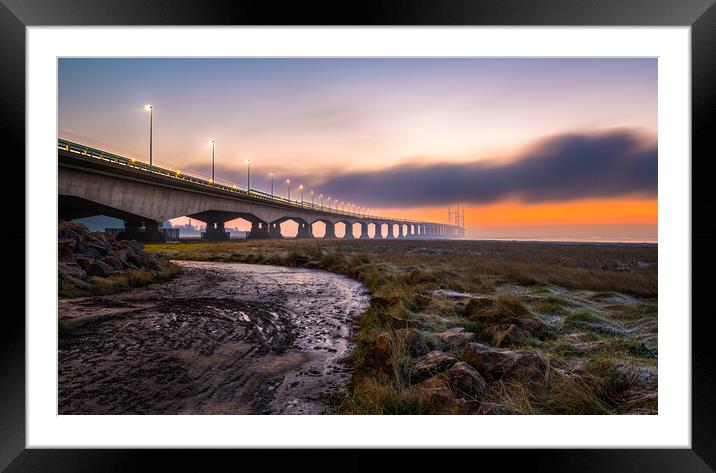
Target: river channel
(222, 338)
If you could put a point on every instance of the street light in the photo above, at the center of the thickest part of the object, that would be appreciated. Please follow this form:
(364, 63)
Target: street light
(248, 176)
(301, 189)
(271, 176)
(311, 198)
(212, 160)
(150, 109)
(329, 203)
(321, 201)
(288, 181)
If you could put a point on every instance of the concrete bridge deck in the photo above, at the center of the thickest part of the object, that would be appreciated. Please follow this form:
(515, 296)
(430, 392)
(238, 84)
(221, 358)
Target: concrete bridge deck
(95, 182)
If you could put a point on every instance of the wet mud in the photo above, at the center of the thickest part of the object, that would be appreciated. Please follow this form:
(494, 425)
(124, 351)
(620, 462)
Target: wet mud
(222, 338)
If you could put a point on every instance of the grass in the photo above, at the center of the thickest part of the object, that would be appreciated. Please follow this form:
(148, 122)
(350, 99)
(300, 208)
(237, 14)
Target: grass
(121, 281)
(403, 275)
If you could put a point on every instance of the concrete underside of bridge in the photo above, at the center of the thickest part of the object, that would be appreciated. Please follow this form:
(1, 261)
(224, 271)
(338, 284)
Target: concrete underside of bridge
(143, 199)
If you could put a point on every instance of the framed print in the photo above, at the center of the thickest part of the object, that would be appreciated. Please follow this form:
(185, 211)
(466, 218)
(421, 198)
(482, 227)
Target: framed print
(426, 228)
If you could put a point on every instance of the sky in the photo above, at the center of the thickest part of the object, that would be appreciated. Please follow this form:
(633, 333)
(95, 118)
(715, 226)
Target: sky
(530, 148)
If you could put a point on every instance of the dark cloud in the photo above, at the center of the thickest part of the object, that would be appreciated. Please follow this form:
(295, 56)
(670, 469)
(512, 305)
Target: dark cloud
(564, 167)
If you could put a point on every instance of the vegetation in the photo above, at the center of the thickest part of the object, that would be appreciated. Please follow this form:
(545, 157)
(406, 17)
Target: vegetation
(575, 324)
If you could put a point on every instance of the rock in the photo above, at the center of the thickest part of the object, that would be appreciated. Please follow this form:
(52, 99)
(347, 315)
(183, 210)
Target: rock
(87, 251)
(66, 249)
(439, 396)
(69, 231)
(505, 335)
(498, 363)
(83, 261)
(70, 276)
(119, 254)
(420, 302)
(71, 270)
(455, 337)
(99, 268)
(398, 322)
(377, 354)
(113, 262)
(464, 381)
(431, 364)
(412, 340)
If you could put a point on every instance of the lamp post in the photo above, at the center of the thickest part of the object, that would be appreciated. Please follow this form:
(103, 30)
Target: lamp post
(311, 198)
(321, 201)
(271, 176)
(288, 181)
(248, 176)
(329, 203)
(212, 160)
(150, 109)
(301, 189)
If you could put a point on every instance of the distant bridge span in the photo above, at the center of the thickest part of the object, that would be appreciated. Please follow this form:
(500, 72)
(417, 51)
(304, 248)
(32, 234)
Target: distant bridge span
(94, 182)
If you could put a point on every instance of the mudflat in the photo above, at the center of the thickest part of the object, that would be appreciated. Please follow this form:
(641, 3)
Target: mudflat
(221, 338)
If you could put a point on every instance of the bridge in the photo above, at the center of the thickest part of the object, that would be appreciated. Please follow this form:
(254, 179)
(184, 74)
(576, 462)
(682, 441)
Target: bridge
(95, 182)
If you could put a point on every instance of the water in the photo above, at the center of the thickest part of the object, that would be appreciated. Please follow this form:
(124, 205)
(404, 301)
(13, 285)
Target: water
(223, 338)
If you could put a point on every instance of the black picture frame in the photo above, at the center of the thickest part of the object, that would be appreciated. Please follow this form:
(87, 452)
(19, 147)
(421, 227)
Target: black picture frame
(700, 15)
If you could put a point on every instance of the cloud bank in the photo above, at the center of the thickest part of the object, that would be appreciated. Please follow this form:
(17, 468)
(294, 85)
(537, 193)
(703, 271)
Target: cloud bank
(560, 168)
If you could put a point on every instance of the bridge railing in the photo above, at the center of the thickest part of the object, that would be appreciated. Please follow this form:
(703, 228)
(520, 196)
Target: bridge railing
(95, 153)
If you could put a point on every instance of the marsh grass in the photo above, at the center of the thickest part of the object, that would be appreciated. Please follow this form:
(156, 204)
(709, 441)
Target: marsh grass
(402, 276)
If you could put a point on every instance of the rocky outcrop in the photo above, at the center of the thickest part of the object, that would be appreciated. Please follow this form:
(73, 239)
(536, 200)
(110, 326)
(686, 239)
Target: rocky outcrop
(83, 255)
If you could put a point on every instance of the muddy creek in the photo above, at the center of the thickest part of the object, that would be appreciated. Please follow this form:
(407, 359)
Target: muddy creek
(222, 338)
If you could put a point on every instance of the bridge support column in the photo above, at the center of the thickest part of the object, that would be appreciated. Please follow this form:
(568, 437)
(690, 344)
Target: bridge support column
(378, 230)
(215, 232)
(304, 232)
(330, 231)
(142, 230)
(400, 231)
(275, 231)
(348, 235)
(364, 231)
(259, 231)
(390, 235)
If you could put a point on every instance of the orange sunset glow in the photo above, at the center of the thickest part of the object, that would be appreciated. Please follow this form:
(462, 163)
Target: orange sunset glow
(529, 148)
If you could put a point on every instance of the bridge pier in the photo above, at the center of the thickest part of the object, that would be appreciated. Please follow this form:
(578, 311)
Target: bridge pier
(390, 235)
(330, 231)
(364, 231)
(215, 232)
(400, 231)
(378, 230)
(142, 230)
(348, 235)
(304, 232)
(259, 231)
(275, 231)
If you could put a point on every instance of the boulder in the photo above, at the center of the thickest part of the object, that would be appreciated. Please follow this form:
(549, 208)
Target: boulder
(464, 381)
(83, 261)
(439, 396)
(113, 262)
(88, 251)
(455, 337)
(498, 363)
(99, 268)
(66, 249)
(413, 341)
(431, 364)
